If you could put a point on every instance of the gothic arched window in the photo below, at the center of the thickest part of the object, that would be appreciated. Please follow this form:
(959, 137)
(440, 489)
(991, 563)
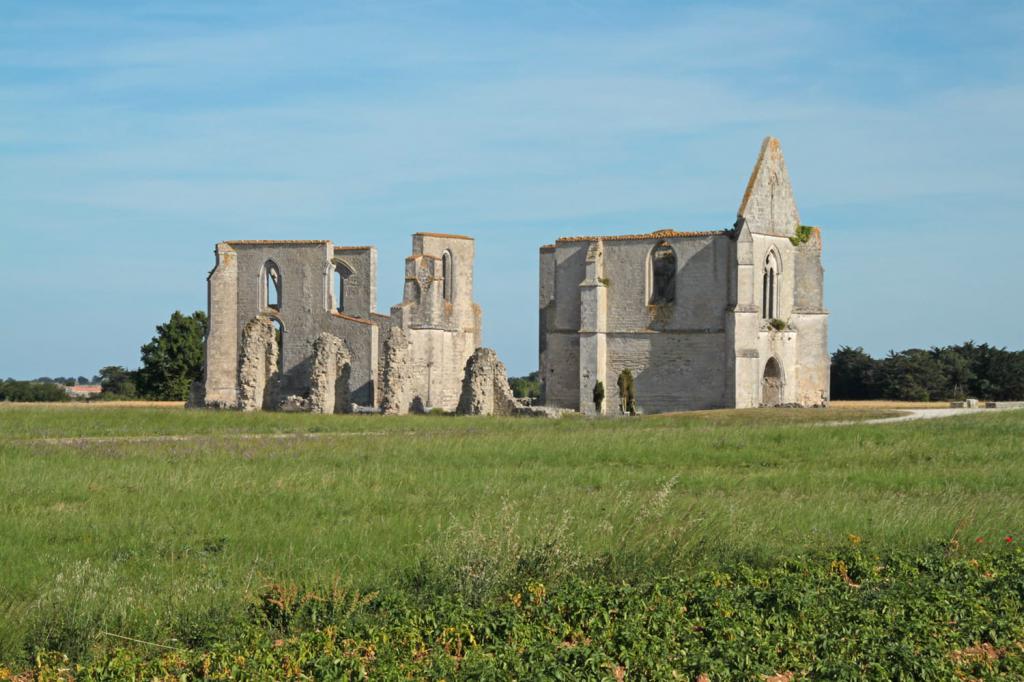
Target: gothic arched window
(271, 289)
(770, 287)
(661, 275)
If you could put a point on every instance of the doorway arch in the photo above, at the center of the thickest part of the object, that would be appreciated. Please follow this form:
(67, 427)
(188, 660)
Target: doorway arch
(772, 383)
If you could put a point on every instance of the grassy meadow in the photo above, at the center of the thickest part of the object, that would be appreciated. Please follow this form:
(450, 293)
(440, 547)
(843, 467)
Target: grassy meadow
(167, 526)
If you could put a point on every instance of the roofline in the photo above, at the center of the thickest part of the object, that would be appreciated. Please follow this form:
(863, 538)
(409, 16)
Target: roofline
(442, 234)
(254, 242)
(658, 234)
(353, 248)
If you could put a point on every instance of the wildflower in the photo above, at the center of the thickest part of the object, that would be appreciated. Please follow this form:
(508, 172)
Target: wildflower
(980, 540)
(1008, 539)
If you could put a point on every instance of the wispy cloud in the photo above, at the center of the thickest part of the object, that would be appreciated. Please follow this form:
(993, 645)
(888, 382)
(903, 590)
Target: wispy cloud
(134, 117)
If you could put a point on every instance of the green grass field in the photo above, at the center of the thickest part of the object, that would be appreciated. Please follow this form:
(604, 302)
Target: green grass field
(164, 525)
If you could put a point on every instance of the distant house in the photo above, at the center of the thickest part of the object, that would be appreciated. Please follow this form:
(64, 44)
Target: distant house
(85, 391)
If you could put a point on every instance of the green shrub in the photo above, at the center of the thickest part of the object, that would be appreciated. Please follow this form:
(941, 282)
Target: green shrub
(31, 391)
(939, 614)
(598, 395)
(803, 235)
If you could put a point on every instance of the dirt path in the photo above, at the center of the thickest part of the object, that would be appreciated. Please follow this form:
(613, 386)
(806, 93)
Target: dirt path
(930, 413)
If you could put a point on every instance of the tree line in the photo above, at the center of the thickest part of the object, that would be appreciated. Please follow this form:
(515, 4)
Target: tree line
(171, 361)
(968, 370)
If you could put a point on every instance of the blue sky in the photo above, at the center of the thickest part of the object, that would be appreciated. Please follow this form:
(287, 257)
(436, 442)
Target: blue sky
(135, 135)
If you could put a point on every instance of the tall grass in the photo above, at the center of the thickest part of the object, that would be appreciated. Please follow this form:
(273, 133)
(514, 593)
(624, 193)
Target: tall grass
(169, 540)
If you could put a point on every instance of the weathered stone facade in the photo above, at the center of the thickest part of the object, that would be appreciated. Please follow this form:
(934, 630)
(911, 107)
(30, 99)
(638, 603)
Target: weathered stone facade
(485, 389)
(293, 325)
(727, 318)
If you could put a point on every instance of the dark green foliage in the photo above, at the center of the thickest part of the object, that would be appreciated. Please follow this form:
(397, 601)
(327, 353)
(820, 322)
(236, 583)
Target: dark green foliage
(526, 387)
(951, 372)
(777, 324)
(940, 614)
(118, 382)
(31, 391)
(627, 392)
(803, 234)
(854, 374)
(174, 358)
(598, 395)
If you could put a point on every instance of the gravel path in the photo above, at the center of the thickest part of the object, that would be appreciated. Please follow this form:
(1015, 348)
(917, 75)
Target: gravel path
(931, 413)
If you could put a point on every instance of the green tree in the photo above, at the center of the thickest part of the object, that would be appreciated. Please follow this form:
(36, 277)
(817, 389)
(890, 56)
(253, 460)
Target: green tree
(118, 382)
(854, 375)
(174, 358)
(526, 387)
(913, 374)
(31, 391)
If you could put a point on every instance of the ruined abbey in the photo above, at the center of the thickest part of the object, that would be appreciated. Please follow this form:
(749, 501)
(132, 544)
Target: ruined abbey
(697, 320)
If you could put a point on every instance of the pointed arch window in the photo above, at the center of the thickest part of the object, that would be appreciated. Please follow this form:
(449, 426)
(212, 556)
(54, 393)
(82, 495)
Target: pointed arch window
(661, 275)
(770, 287)
(271, 289)
(447, 276)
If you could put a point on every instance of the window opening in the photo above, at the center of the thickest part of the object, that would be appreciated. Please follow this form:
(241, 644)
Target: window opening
(662, 275)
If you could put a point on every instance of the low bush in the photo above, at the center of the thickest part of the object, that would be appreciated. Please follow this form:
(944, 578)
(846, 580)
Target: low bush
(939, 614)
(31, 391)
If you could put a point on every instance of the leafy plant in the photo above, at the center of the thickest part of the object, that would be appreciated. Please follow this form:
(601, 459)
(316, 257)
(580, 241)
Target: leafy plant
(803, 235)
(598, 395)
(777, 324)
(627, 392)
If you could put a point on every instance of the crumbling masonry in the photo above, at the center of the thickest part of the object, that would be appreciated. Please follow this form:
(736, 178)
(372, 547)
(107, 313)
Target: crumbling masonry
(293, 326)
(706, 319)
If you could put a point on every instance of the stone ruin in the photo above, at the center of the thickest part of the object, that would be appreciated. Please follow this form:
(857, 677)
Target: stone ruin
(705, 319)
(258, 369)
(702, 319)
(294, 327)
(485, 389)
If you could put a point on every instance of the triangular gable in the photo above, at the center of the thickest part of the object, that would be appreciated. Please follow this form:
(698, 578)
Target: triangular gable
(768, 205)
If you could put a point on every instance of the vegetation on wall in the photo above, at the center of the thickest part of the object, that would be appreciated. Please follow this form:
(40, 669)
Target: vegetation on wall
(627, 392)
(803, 235)
(948, 373)
(598, 395)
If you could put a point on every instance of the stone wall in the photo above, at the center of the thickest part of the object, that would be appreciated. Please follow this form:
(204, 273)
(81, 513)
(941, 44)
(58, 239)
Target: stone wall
(396, 379)
(329, 390)
(485, 389)
(258, 379)
(708, 347)
(438, 317)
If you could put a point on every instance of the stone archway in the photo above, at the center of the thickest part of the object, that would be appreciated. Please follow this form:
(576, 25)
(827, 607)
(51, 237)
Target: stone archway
(772, 384)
